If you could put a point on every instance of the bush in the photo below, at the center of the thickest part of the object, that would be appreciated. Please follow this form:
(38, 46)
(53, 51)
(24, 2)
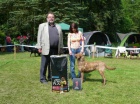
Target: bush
(2, 37)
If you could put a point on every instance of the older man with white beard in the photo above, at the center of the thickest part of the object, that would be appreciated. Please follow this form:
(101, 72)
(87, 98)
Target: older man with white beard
(49, 42)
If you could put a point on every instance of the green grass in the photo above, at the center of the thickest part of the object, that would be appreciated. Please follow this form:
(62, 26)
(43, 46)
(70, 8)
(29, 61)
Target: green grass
(19, 83)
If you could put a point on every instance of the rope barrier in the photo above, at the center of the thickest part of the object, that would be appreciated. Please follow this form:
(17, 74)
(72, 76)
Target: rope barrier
(17, 45)
(85, 46)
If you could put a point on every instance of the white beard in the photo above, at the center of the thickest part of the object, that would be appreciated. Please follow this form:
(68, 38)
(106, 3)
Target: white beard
(51, 22)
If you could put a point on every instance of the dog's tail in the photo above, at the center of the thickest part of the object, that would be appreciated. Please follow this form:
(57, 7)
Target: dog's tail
(107, 67)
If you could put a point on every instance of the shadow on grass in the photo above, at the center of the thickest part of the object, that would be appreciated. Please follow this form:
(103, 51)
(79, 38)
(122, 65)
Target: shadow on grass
(97, 80)
(88, 75)
(5, 53)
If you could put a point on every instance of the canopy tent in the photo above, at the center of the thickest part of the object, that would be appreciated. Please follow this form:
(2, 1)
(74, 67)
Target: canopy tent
(65, 27)
(96, 37)
(129, 39)
(121, 36)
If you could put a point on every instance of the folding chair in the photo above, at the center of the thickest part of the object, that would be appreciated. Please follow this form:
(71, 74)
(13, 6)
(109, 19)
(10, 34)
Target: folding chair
(134, 52)
(121, 51)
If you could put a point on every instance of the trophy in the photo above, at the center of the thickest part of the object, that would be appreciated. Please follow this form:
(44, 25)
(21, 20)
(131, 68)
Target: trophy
(62, 83)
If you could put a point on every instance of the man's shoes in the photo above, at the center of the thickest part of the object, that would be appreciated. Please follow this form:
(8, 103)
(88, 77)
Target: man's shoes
(49, 79)
(44, 82)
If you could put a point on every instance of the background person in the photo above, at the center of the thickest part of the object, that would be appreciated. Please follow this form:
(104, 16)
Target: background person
(21, 41)
(75, 45)
(9, 42)
(28, 39)
(49, 42)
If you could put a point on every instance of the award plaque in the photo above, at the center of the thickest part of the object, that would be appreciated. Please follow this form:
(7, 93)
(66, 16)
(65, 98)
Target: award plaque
(77, 85)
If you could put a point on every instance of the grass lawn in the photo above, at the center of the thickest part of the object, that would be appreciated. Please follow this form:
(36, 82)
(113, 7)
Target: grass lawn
(19, 83)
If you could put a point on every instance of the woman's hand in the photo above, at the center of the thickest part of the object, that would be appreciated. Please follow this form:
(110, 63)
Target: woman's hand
(70, 53)
(40, 50)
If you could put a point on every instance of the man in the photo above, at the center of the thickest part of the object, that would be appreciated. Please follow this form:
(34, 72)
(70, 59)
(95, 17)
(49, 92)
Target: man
(49, 42)
(8, 42)
(21, 41)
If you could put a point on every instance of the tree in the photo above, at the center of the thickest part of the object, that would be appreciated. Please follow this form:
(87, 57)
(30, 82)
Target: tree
(109, 16)
(131, 14)
(67, 11)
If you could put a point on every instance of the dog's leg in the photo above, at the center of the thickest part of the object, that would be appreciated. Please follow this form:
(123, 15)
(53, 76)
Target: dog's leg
(103, 77)
(82, 77)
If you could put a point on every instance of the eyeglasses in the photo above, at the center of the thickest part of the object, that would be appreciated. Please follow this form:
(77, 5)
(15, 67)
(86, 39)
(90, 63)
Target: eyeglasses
(50, 17)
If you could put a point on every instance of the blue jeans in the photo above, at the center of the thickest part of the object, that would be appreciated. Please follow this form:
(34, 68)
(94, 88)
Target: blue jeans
(72, 62)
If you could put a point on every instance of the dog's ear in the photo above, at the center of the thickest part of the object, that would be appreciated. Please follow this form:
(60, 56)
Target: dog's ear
(81, 54)
(83, 58)
(77, 55)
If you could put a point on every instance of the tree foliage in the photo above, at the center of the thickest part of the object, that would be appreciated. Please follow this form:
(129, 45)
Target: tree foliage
(23, 16)
(130, 16)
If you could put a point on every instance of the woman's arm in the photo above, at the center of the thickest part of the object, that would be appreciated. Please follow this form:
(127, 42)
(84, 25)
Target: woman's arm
(68, 43)
(82, 50)
(82, 42)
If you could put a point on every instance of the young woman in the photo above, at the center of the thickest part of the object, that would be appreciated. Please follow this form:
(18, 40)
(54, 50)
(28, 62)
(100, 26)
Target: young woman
(75, 45)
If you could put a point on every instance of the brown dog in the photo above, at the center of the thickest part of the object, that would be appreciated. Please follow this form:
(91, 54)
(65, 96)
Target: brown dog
(85, 67)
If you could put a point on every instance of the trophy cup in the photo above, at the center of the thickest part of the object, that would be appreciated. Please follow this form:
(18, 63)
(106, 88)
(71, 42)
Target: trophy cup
(62, 83)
